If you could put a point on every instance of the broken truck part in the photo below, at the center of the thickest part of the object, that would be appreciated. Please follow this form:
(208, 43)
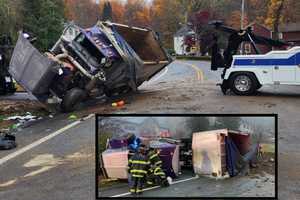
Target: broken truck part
(107, 59)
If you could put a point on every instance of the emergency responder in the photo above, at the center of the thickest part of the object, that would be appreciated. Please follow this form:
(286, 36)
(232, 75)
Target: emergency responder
(156, 176)
(138, 167)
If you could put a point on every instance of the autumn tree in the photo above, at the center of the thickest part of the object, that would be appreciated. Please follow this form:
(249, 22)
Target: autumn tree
(165, 21)
(274, 16)
(291, 13)
(84, 13)
(68, 10)
(191, 6)
(118, 10)
(136, 12)
(257, 10)
(234, 19)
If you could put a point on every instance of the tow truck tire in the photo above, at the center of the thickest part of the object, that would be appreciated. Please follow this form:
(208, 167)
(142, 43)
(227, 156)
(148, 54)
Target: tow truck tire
(243, 83)
(72, 98)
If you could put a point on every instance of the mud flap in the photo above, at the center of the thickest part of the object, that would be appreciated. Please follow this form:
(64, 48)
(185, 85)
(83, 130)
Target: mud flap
(224, 86)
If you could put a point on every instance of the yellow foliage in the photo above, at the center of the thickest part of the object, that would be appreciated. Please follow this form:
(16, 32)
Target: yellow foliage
(273, 12)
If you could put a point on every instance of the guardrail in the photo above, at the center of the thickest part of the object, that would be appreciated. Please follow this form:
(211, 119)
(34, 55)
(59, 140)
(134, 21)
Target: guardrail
(205, 58)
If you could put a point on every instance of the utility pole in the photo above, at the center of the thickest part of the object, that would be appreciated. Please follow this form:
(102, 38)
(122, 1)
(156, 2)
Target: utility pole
(243, 14)
(242, 23)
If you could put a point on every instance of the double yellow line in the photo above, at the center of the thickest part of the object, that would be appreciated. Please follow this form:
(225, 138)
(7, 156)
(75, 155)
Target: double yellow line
(200, 74)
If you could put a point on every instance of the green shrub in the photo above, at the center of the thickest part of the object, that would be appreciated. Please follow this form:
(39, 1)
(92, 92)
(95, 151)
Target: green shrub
(102, 139)
(205, 58)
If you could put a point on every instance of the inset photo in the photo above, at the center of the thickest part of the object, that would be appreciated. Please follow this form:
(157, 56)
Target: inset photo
(192, 156)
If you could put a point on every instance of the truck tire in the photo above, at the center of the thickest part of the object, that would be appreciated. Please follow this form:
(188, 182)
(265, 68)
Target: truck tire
(71, 99)
(243, 83)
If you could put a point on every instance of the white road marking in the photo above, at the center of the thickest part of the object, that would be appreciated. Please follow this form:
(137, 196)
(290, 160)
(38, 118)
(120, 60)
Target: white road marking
(43, 160)
(38, 171)
(40, 141)
(161, 75)
(8, 183)
(128, 193)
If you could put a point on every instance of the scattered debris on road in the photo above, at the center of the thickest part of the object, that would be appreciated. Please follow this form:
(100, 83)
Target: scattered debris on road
(72, 117)
(7, 142)
(118, 104)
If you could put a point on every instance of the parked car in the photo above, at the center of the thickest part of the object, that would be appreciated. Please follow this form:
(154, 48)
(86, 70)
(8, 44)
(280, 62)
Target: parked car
(107, 59)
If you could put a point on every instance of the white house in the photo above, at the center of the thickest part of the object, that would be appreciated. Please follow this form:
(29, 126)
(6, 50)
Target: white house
(179, 37)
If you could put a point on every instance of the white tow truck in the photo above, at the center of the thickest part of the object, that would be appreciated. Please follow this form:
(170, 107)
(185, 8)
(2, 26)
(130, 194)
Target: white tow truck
(245, 74)
(250, 72)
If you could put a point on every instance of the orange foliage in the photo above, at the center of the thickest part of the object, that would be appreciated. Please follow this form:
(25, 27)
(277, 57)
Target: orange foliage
(235, 20)
(118, 11)
(68, 9)
(76, 10)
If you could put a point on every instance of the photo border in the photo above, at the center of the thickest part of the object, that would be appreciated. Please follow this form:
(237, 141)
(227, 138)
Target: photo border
(185, 115)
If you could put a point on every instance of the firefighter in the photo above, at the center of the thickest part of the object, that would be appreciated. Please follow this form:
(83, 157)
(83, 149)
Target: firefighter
(138, 167)
(156, 175)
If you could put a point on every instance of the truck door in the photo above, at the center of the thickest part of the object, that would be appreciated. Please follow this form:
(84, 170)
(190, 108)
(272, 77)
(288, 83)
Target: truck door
(284, 71)
(298, 68)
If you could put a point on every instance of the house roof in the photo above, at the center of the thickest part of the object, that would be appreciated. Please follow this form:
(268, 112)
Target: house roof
(289, 27)
(183, 31)
(255, 23)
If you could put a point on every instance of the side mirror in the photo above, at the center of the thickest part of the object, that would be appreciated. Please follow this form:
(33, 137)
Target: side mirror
(26, 35)
(29, 37)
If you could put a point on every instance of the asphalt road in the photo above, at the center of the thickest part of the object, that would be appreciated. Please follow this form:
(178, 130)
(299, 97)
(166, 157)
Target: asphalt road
(187, 87)
(61, 167)
(191, 186)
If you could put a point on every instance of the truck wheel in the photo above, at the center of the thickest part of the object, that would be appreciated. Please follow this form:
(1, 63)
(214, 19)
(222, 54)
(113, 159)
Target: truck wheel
(71, 99)
(243, 83)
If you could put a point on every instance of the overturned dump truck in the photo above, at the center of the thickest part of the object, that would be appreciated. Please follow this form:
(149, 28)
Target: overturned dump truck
(107, 59)
(216, 154)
